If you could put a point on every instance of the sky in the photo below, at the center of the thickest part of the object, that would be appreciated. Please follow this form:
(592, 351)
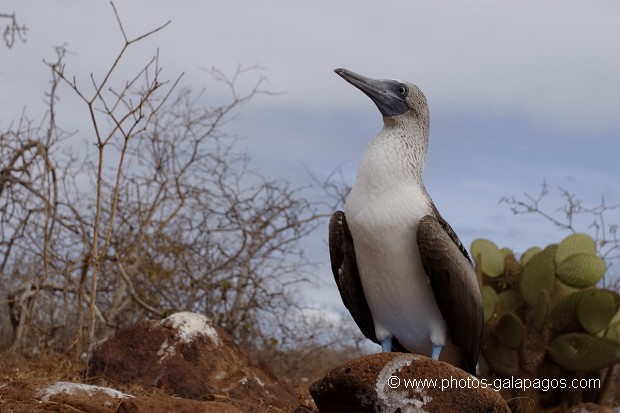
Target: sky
(520, 93)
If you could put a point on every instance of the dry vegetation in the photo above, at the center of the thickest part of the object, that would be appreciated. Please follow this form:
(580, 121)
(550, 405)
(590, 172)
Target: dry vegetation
(164, 215)
(12, 30)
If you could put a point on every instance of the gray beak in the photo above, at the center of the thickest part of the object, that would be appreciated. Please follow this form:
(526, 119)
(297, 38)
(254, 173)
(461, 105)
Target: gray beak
(390, 96)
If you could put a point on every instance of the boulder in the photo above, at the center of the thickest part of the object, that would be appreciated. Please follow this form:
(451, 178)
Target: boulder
(40, 395)
(187, 356)
(402, 383)
(28, 395)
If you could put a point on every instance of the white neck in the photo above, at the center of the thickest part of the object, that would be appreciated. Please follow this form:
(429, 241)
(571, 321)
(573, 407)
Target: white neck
(396, 155)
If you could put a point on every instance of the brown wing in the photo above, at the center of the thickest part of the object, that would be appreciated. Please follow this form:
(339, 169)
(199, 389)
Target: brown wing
(347, 277)
(344, 267)
(455, 286)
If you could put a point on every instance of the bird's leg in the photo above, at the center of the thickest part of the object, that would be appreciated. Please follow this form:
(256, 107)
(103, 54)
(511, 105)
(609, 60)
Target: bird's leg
(436, 351)
(386, 344)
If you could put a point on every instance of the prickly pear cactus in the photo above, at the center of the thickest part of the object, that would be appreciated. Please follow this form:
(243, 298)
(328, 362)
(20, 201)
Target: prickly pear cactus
(543, 312)
(491, 260)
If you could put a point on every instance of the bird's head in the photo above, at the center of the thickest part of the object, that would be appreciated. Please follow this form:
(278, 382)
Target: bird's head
(394, 98)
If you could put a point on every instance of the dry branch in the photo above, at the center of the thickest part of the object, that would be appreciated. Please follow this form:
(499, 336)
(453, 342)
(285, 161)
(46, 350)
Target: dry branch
(13, 30)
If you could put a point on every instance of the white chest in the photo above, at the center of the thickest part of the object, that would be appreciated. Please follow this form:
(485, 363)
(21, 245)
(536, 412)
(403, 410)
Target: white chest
(383, 211)
(388, 194)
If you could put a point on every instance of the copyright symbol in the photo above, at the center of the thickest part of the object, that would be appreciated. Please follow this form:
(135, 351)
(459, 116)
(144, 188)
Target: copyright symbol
(393, 382)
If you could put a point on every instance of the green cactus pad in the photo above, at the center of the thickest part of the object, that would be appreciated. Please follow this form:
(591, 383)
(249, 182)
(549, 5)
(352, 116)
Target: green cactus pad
(488, 256)
(528, 254)
(550, 250)
(539, 315)
(613, 331)
(617, 303)
(562, 290)
(575, 244)
(581, 270)
(583, 352)
(596, 309)
(567, 306)
(564, 314)
(508, 301)
(538, 274)
(489, 302)
(510, 331)
(506, 252)
(616, 319)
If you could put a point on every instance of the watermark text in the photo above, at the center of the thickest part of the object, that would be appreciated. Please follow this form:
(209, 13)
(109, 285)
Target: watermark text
(395, 382)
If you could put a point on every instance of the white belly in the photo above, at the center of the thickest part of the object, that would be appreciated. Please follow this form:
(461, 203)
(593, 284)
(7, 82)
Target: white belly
(395, 285)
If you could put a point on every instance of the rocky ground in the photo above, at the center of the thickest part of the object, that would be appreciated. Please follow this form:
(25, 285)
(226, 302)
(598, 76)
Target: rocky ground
(183, 363)
(187, 364)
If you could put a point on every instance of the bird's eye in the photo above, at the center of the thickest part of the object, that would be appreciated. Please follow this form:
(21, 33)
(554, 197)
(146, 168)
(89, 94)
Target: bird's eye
(402, 90)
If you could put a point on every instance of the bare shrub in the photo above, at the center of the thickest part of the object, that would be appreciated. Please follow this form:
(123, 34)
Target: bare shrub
(164, 216)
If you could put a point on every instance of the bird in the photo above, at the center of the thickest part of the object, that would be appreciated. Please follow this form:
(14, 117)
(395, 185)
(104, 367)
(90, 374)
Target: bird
(400, 268)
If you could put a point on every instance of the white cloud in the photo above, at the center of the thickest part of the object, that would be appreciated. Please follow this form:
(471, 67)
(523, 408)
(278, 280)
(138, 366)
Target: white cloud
(551, 66)
(553, 61)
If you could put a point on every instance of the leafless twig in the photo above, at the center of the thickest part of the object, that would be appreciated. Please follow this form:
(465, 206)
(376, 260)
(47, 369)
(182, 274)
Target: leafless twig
(13, 30)
(604, 233)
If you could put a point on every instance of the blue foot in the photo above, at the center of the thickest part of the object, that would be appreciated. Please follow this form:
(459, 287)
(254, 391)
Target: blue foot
(386, 344)
(436, 352)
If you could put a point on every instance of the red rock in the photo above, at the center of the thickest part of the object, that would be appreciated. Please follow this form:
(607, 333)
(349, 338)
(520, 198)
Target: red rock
(187, 356)
(384, 382)
(28, 395)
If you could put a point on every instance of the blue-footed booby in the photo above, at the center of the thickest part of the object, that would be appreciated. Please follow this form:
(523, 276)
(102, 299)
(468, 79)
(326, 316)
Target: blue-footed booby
(400, 268)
